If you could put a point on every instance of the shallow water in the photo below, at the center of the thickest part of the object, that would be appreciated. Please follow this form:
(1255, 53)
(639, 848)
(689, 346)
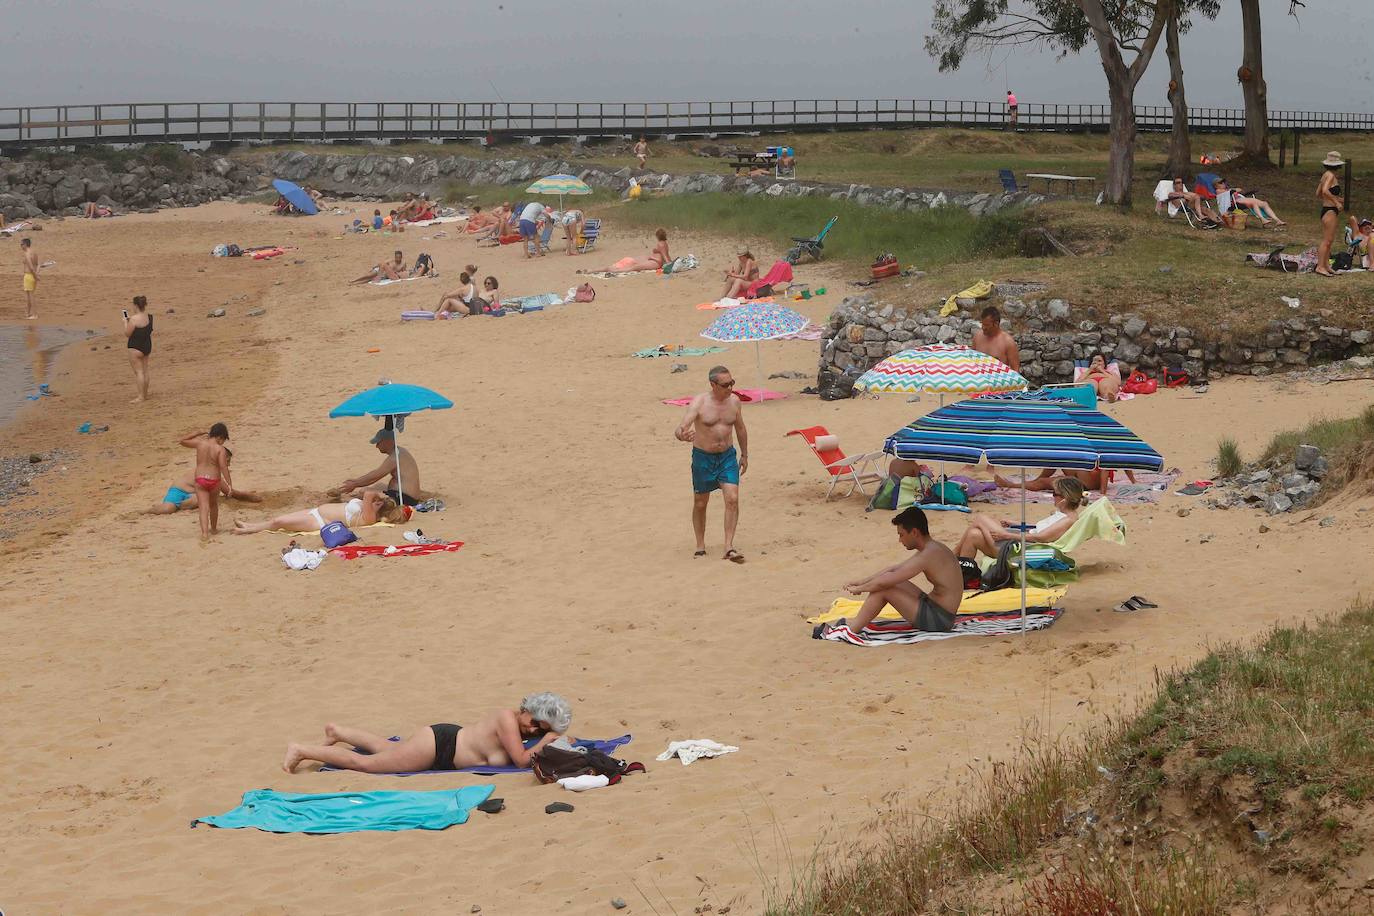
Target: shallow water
(27, 354)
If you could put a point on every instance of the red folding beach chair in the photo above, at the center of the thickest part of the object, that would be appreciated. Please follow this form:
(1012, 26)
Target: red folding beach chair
(857, 471)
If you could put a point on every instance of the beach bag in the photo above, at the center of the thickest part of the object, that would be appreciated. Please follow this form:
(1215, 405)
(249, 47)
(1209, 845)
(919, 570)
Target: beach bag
(947, 492)
(1174, 378)
(424, 262)
(554, 763)
(1139, 383)
(913, 490)
(233, 251)
(886, 496)
(585, 293)
(1343, 260)
(884, 265)
(336, 534)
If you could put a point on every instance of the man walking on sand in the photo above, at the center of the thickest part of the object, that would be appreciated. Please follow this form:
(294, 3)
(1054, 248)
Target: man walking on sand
(994, 341)
(212, 468)
(30, 264)
(933, 611)
(713, 420)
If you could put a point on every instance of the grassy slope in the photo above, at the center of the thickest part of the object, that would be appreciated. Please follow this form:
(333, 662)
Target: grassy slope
(1247, 782)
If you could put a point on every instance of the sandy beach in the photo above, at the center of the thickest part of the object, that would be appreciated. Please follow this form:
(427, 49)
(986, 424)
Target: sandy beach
(149, 679)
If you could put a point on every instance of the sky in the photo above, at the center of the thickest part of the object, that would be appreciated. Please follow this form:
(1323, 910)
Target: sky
(116, 51)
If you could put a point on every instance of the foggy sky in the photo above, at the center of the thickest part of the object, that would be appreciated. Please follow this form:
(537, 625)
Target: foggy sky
(79, 51)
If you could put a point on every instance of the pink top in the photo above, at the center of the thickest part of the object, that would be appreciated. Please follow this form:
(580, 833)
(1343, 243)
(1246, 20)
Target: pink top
(1011, 99)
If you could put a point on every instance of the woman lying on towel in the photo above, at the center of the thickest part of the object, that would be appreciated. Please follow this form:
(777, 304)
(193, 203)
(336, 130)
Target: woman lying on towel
(372, 508)
(496, 740)
(655, 261)
(985, 534)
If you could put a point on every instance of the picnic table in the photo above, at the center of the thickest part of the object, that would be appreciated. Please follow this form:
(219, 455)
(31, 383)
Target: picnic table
(1071, 180)
(748, 161)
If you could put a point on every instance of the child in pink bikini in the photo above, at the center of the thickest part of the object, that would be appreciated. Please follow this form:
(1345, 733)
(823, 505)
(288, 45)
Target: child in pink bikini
(212, 465)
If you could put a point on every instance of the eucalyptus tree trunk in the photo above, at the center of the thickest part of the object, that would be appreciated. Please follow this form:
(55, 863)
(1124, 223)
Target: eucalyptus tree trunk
(1252, 84)
(1180, 147)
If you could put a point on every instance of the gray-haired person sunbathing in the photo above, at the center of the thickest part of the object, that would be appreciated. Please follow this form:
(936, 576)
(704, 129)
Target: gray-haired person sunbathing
(496, 740)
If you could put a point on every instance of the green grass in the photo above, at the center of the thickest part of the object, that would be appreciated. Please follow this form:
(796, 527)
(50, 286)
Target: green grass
(917, 238)
(1229, 462)
(1332, 436)
(1283, 729)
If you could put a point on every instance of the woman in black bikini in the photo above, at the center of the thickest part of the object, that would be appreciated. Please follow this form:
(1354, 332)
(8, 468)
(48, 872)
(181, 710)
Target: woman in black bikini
(1329, 194)
(138, 329)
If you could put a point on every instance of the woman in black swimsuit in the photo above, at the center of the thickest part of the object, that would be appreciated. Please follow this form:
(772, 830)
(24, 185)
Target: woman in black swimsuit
(1329, 194)
(138, 328)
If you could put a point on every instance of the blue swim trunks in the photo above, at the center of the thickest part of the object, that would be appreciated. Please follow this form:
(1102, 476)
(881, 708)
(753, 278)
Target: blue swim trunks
(711, 469)
(528, 229)
(176, 496)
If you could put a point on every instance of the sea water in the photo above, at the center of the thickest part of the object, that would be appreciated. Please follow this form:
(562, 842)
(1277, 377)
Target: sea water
(27, 354)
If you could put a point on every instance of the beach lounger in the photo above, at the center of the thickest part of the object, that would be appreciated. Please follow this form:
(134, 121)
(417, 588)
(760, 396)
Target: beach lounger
(1172, 208)
(856, 471)
(591, 231)
(812, 246)
(1008, 179)
(1098, 520)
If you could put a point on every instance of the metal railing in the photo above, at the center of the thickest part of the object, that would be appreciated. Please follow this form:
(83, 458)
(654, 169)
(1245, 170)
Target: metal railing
(229, 122)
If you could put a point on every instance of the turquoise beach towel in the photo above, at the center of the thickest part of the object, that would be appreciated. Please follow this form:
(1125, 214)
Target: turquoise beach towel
(350, 812)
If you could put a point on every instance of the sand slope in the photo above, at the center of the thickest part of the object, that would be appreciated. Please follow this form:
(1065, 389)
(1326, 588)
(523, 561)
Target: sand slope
(148, 680)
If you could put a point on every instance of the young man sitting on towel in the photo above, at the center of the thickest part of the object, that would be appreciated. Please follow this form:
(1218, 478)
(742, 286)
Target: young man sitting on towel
(496, 740)
(934, 610)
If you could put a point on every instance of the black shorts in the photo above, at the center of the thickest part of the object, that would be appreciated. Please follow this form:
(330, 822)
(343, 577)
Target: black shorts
(445, 745)
(933, 618)
(402, 499)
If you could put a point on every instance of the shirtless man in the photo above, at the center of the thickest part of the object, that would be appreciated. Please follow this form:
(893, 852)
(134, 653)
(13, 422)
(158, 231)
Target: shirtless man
(498, 739)
(29, 259)
(934, 610)
(385, 440)
(994, 341)
(394, 269)
(184, 493)
(712, 421)
(212, 470)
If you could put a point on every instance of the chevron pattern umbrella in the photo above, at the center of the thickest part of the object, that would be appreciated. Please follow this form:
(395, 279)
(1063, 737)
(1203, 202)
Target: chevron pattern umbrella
(940, 369)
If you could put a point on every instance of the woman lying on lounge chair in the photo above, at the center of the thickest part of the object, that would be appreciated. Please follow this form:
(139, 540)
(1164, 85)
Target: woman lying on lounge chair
(1239, 198)
(655, 261)
(984, 534)
(372, 508)
(1106, 382)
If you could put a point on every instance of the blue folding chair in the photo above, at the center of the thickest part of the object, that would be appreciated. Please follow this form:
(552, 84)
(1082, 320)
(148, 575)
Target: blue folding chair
(810, 246)
(591, 231)
(1008, 178)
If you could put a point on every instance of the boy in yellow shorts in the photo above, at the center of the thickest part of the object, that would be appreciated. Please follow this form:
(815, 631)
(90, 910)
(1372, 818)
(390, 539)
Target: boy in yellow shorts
(30, 260)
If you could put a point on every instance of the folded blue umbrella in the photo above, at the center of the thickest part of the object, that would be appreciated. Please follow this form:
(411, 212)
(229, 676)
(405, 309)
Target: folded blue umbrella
(350, 812)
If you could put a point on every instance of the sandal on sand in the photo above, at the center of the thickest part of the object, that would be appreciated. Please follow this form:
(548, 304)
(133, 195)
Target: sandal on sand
(699, 553)
(1133, 604)
(1142, 602)
(733, 555)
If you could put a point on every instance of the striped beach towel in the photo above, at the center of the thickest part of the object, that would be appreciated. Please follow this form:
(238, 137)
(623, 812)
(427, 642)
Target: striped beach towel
(899, 632)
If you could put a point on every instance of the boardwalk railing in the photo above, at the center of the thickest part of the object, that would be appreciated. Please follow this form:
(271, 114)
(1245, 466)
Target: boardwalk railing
(228, 122)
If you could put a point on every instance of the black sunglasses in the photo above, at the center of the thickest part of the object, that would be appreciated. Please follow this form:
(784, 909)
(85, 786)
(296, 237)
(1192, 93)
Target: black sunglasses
(729, 384)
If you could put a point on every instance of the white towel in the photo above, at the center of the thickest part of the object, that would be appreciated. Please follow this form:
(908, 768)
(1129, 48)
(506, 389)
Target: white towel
(300, 558)
(695, 748)
(583, 783)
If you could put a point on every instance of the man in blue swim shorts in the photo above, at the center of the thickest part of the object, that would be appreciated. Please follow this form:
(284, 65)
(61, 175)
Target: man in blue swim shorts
(713, 420)
(182, 494)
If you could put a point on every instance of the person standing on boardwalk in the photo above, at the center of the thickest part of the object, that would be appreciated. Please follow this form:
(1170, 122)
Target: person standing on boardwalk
(30, 263)
(713, 420)
(1011, 109)
(138, 329)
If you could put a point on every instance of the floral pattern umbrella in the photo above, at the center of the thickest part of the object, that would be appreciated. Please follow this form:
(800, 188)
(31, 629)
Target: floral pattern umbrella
(757, 322)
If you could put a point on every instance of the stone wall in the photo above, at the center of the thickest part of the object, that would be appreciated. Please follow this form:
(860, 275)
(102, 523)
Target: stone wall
(1052, 334)
(41, 186)
(388, 176)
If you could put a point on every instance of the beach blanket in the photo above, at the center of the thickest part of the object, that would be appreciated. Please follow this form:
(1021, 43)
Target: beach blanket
(438, 220)
(355, 528)
(744, 394)
(535, 303)
(679, 264)
(972, 605)
(778, 274)
(12, 228)
(1290, 263)
(980, 290)
(731, 303)
(418, 315)
(1148, 488)
(887, 633)
(605, 746)
(812, 331)
(387, 281)
(354, 551)
(265, 253)
(350, 812)
(666, 350)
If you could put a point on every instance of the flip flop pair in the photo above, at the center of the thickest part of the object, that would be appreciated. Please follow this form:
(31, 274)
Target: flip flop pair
(1133, 604)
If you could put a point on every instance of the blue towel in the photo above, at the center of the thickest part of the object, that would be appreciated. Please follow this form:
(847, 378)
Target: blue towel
(605, 747)
(350, 812)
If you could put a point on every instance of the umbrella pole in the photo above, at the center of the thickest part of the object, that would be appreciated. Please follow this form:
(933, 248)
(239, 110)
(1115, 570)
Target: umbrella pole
(758, 362)
(1023, 551)
(400, 489)
(941, 481)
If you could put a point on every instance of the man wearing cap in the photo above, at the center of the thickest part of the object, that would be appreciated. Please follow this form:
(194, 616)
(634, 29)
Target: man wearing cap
(385, 440)
(1361, 231)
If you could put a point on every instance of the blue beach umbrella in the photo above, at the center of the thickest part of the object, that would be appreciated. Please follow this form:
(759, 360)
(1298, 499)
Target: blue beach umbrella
(296, 196)
(391, 401)
(1023, 432)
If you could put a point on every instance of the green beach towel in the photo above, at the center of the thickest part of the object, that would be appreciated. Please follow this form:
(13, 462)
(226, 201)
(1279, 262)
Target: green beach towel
(651, 352)
(350, 812)
(1099, 520)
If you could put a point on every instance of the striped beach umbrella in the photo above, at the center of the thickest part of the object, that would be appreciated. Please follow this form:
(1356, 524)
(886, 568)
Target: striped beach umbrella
(756, 322)
(1023, 433)
(560, 185)
(941, 369)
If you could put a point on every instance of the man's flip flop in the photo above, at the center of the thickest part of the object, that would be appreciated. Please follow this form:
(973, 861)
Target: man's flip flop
(1133, 604)
(733, 555)
(699, 553)
(1141, 602)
